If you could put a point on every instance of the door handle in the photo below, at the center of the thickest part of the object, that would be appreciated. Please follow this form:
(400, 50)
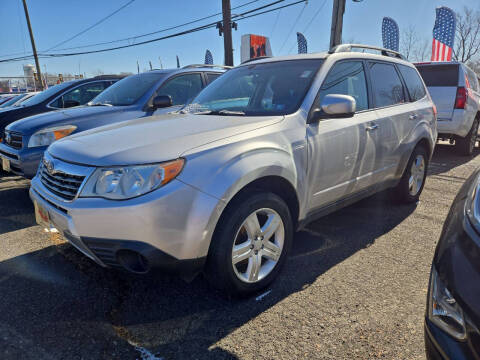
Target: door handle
(413, 117)
(372, 127)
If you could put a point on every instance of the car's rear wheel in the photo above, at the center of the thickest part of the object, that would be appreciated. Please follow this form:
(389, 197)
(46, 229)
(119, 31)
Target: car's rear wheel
(411, 185)
(466, 145)
(251, 244)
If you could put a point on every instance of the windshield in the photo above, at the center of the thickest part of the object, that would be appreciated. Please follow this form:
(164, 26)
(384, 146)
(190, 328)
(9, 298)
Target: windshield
(273, 88)
(12, 100)
(128, 90)
(45, 94)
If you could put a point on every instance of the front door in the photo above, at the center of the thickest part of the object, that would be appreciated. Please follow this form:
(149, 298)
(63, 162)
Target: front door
(336, 146)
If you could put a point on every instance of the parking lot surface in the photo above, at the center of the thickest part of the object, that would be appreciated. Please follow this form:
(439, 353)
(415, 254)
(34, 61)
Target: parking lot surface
(354, 287)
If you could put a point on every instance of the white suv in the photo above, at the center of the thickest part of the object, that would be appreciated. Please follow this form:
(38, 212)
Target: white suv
(223, 184)
(455, 91)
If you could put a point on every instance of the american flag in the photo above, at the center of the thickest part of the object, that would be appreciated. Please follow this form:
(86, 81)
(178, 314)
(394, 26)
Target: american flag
(390, 34)
(443, 34)
(302, 43)
(208, 58)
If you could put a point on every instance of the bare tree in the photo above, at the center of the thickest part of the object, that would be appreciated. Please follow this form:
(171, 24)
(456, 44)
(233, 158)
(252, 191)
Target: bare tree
(467, 35)
(413, 46)
(409, 39)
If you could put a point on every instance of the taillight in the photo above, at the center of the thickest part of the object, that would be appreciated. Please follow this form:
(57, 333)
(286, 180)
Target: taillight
(461, 98)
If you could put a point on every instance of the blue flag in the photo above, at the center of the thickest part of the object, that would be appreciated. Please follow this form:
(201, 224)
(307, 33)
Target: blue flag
(302, 43)
(208, 58)
(390, 34)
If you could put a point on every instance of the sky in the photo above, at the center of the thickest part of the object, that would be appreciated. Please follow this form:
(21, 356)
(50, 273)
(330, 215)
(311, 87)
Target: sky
(54, 21)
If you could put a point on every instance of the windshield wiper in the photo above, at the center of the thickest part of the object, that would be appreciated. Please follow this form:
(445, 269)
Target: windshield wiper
(221, 112)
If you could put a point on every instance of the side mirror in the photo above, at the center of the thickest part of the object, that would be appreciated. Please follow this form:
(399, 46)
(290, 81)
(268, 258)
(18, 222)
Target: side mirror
(161, 101)
(70, 103)
(335, 106)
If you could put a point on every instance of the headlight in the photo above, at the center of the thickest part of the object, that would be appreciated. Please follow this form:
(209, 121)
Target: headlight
(443, 309)
(120, 183)
(47, 136)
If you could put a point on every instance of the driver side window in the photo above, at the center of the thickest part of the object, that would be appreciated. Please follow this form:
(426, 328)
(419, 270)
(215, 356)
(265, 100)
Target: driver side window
(182, 88)
(80, 95)
(346, 78)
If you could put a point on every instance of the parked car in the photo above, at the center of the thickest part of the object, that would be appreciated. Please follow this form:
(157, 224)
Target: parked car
(452, 319)
(5, 97)
(455, 91)
(222, 184)
(64, 95)
(133, 97)
(17, 99)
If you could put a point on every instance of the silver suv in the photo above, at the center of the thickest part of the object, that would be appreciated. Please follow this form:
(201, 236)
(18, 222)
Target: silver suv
(456, 93)
(222, 185)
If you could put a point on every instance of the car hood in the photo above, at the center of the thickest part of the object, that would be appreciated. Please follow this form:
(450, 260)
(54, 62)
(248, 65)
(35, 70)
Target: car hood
(31, 124)
(152, 139)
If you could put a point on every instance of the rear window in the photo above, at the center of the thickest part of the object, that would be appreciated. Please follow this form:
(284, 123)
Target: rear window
(439, 75)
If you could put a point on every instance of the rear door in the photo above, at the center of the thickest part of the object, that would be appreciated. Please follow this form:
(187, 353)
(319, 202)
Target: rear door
(392, 109)
(442, 83)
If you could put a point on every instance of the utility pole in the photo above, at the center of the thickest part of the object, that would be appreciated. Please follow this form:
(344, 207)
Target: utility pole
(227, 32)
(337, 22)
(37, 64)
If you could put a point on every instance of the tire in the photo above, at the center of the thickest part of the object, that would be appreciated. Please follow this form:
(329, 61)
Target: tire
(240, 278)
(465, 146)
(411, 185)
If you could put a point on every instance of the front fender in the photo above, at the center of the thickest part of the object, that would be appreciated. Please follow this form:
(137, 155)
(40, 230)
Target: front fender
(222, 172)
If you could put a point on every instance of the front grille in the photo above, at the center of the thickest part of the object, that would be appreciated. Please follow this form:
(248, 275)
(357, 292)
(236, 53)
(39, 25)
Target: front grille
(60, 183)
(13, 139)
(7, 154)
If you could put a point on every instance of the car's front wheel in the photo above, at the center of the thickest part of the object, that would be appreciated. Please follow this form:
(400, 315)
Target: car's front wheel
(251, 244)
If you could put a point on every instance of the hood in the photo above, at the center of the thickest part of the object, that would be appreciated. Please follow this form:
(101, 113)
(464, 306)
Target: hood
(31, 124)
(152, 139)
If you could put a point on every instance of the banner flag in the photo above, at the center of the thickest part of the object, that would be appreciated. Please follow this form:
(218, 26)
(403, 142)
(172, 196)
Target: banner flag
(302, 43)
(178, 62)
(208, 58)
(390, 34)
(443, 34)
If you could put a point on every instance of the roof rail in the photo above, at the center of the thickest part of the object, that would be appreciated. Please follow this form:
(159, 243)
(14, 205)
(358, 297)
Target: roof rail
(257, 58)
(207, 65)
(348, 48)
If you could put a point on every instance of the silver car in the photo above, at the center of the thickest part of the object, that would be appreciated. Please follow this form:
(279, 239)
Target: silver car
(222, 185)
(456, 93)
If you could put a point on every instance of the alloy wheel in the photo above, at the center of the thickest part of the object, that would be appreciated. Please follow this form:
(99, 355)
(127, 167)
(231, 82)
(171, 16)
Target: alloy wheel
(417, 175)
(258, 245)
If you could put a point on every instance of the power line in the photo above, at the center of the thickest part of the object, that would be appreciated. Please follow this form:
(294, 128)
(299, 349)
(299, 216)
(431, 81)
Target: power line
(156, 32)
(310, 22)
(92, 26)
(293, 27)
(239, 17)
(275, 23)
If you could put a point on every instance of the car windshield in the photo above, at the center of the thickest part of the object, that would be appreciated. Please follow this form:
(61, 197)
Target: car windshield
(128, 90)
(12, 100)
(45, 94)
(273, 88)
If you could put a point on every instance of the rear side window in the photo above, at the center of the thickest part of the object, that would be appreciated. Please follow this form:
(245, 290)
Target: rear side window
(346, 78)
(439, 75)
(415, 87)
(387, 86)
(212, 76)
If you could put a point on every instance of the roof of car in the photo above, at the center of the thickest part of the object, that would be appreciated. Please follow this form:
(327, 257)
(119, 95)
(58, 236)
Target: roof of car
(192, 68)
(343, 51)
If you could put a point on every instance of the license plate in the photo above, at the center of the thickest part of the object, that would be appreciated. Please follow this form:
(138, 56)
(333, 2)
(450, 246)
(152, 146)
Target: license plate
(41, 215)
(5, 164)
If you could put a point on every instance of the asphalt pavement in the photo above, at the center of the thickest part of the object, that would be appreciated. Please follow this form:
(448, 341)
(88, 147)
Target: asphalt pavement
(354, 288)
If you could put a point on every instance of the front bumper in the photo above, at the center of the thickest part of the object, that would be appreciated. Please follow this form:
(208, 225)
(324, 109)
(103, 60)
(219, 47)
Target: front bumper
(25, 161)
(457, 263)
(169, 226)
